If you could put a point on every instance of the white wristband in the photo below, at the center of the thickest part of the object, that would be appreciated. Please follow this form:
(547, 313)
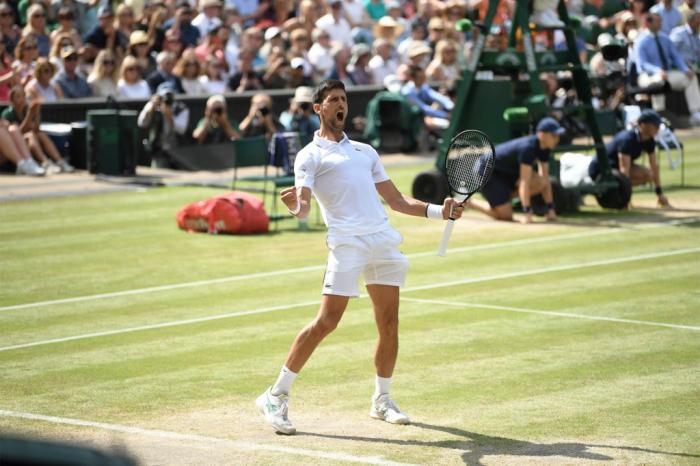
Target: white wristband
(297, 209)
(434, 211)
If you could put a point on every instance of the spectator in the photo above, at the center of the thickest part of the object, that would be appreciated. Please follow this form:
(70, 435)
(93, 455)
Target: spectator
(140, 48)
(260, 120)
(444, 67)
(627, 146)
(419, 33)
(215, 127)
(335, 24)
(245, 78)
(375, 9)
(62, 40)
(358, 67)
(669, 14)
(273, 38)
(388, 28)
(36, 27)
(514, 172)
(164, 120)
(151, 22)
(41, 88)
(131, 85)
(182, 23)
(383, 64)
(26, 53)
(356, 15)
(232, 46)
(173, 43)
(14, 148)
(321, 53)
(208, 18)
(277, 71)
(436, 31)
(77, 10)
(306, 19)
(297, 73)
(212, 44)
(103, 77)
(164, 73)
(252, 40)
(339, 71)
(687, 8)
(300, 117)
(28, 120)
(687, 41)
(72, 84)
(299, 45)
(419, 55)
(213, 79)
(125, 20)
(188, 69)
(250, 10)
(435, 106)
(659, 61)
(105, 36)
(545, 13)
(11, 33)
(8, 76)
(66, 26)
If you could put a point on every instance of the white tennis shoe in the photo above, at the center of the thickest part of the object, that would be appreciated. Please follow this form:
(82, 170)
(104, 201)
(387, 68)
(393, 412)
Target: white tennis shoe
(385, 409)
(274, 408)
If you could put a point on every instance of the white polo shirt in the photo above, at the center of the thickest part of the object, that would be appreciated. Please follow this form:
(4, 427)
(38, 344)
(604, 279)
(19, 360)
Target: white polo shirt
(342, 176)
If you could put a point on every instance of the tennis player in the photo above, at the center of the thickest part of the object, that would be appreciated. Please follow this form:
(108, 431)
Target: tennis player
(345, 177)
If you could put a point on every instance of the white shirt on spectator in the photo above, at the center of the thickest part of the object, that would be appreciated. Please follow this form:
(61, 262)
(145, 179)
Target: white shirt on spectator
(193, 86)
(382, 68)
(138, 90)
(355, 10)
(321, 59)
(212, 86)
(205, 23)
(340, 31)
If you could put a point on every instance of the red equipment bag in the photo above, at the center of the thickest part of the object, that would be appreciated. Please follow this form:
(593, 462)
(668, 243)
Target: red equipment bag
(233, 213)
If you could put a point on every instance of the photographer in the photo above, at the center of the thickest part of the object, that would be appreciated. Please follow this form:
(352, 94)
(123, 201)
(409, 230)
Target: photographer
(215, 127)
(300, 116)
(163, 119)
(260, 120)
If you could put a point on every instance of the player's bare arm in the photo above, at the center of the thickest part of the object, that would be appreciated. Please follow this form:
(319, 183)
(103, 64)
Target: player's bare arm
(297, 200)
(410, 206)
(524, 191)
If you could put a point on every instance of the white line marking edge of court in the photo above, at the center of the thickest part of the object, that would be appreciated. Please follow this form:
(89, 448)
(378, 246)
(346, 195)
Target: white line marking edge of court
(239, 444)
(214, 281)
(558, 268)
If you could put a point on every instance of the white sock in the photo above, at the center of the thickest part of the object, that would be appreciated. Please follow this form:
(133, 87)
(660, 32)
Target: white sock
(284, 382)
(381, 386)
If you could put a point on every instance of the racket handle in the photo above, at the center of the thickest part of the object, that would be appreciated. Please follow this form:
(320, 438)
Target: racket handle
(446, 237)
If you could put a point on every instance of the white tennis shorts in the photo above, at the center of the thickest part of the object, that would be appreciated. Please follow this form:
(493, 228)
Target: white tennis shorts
(376, 256)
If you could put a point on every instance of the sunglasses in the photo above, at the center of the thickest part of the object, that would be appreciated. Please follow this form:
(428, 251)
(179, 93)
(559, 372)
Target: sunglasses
(39, 15)
(70, 58)
(65, 18)
(132, 68)
(30, 47)
(108, 62)
(5, 14)
(191, 63)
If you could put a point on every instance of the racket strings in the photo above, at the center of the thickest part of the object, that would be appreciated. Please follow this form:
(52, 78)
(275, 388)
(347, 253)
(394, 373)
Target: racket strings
(469, 164)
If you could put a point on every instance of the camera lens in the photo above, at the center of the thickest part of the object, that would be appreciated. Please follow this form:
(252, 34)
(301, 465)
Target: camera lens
(218, 110)
(305, 106)
(264, 111)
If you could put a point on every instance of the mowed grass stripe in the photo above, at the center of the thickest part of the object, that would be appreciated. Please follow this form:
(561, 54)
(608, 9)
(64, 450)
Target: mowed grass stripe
(32, 328)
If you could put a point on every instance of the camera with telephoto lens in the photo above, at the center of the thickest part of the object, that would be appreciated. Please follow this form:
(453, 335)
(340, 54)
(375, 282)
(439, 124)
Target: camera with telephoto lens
(305, 106)
(264, 111)
(168, 99)
(218, 111)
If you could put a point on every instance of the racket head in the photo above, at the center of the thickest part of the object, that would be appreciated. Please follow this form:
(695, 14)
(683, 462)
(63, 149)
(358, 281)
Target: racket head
(469, 162)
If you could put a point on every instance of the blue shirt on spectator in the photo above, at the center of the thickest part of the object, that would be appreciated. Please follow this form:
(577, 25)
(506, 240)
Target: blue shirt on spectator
(648, 59)
(687, 43)
(670, 17)
(244, 8)
(73, 88)
(189, 35)
(424, 97)
(523, 150)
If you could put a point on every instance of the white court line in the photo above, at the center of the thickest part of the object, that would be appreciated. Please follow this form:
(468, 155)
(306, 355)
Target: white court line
(163, 434)
(550, 313)
(414, 288)
(234, 278)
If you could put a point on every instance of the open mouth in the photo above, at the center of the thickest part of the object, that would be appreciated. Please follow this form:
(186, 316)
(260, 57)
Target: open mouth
(340, 116)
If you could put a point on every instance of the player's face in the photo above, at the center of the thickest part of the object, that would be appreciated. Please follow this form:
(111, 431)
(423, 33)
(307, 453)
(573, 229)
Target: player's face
(550, 140)
(333, 110)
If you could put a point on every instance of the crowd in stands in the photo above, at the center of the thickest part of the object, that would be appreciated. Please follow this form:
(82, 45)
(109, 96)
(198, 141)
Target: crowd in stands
(68, 49)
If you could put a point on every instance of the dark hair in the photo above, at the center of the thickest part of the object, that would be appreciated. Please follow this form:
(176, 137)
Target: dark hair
(414, 70)
(325, 87)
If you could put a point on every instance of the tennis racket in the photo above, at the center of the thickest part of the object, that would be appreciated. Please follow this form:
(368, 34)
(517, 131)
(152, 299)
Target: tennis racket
(468, 165)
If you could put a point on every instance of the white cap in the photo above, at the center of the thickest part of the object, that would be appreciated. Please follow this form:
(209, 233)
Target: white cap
(297, 62)
(272, 32)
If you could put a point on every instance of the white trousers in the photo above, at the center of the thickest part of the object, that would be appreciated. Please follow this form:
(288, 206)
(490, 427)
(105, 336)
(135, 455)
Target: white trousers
(679, 82)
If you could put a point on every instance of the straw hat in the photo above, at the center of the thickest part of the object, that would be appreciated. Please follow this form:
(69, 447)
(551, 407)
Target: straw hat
(138, 37)
(387, 22)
